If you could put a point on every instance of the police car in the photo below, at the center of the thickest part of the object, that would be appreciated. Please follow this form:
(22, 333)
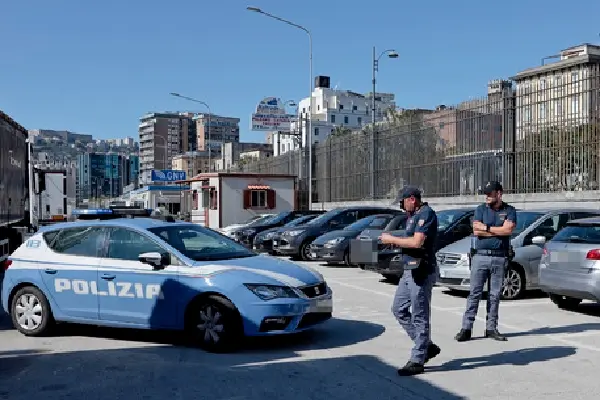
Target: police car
(155, 274)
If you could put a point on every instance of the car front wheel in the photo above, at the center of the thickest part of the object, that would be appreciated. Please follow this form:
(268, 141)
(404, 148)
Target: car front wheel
(215, 325)
(30, 312)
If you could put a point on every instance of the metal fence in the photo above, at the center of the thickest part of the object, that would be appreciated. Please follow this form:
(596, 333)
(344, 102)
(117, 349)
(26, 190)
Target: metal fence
(539, 137)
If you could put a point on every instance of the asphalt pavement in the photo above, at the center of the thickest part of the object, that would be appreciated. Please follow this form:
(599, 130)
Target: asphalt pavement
(550, 354)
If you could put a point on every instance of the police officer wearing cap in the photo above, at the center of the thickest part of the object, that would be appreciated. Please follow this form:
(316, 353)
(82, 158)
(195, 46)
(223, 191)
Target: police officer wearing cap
(420, 273)
(493, 224)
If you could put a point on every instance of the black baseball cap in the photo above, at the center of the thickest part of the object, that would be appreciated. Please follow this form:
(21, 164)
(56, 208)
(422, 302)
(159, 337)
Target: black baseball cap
(492, 186)
(407, 192)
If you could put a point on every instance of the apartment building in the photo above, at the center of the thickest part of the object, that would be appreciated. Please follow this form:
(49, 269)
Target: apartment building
(163, 136)
(231, 153)
(332, 108)
(214, 130)
(193, 163)
(561, 93)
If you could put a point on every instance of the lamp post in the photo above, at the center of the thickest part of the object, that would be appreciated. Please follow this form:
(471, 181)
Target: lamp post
(208, 130)
(309, 135)
(391, 54)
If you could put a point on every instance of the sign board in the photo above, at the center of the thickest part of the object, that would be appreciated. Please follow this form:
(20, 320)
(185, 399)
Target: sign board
(270, 115)
(167, 175)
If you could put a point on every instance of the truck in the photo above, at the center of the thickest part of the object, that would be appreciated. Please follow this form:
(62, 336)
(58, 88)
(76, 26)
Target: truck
(15, 185)
(50, 190)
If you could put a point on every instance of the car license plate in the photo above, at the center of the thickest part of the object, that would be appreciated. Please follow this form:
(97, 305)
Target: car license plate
(560, 256)
(442, 274)
(274, 242)
(313, 254)
(322, 305)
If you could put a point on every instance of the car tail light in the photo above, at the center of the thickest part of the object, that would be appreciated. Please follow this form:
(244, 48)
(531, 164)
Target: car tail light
(593, 254)
(545, 252)
(6, 264)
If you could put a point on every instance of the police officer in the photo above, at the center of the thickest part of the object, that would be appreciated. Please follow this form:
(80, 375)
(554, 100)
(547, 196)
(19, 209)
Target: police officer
(493, 224)
(420, 273)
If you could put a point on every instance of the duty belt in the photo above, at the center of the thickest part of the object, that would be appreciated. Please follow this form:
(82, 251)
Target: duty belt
(492, 253)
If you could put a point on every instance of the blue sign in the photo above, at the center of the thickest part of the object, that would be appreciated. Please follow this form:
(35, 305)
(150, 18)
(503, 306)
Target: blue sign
(167, 175)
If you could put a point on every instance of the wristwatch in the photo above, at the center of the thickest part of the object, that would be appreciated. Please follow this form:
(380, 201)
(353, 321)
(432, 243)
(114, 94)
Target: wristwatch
(487, 228)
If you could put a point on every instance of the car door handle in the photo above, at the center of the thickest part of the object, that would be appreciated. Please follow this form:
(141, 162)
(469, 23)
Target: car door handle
(107, 277)
(50, 271)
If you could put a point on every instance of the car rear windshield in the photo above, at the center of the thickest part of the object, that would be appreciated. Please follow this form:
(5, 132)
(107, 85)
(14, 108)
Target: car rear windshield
(200, 244)
(579, 233)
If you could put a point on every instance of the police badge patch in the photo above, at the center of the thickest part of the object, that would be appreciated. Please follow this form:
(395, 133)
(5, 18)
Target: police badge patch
(421, 222)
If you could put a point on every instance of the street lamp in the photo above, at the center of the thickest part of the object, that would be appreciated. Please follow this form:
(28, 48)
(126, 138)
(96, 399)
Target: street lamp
(391, 54)
(310, 132)
(208, 131)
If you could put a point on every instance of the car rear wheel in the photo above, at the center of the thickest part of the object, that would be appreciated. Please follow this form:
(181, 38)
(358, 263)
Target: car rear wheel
(30, 312)
(565, 302)
(215, 324)
(514, 283)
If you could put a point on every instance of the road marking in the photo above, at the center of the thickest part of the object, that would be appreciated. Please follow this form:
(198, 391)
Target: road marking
(514, 328)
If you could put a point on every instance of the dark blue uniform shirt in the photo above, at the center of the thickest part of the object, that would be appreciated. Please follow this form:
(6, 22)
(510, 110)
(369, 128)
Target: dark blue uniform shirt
(491, 217)
(424, 221)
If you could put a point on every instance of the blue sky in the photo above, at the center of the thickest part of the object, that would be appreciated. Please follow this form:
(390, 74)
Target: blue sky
(97, 66)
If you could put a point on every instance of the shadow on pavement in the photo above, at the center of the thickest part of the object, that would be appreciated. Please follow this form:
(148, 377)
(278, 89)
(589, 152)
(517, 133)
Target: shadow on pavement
(5, 322)
(591, 309)
(530, 294)
(158, 373)
(513, 357)
(548, 330)
(333, 334)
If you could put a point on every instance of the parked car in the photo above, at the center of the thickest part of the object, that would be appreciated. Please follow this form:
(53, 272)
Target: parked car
(522, 272)
(256, 218)
(334, 247)
(295, 242)
(245, 235)
(263, 241)
(453, 225)
(570, 265)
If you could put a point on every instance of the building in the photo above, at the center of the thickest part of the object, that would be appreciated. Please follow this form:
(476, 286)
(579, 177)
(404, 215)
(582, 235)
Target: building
(219, 199)
(255, 155)
(163, 136)
(332, 109)
(559, 93)
(214, 130)
(193, 163)
(102, 175)
(166, 197)
(230, 153)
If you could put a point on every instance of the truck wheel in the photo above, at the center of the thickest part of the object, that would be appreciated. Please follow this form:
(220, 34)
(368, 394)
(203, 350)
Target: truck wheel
(30, 312)
(215, 325)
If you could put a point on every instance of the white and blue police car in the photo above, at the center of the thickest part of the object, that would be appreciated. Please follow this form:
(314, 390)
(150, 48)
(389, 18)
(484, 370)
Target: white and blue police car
(154, 274)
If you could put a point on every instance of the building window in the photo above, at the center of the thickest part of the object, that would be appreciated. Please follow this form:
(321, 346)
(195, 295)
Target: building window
(359, 119)
(542, 111)
(575, 105)
(316, 131)
(333, 118)
(259, 199)
(341, 106)
(345, 119)
(213, 199)
(354, 108)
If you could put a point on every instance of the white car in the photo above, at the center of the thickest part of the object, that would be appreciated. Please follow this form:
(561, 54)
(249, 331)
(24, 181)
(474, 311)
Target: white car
(257, 218)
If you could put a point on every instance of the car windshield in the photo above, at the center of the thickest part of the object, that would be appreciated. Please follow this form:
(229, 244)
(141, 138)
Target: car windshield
(373, 222)
(277, 218)
(448, 217)
(578, 233)
(199, 243)
(524, 219)
(299, 221)
(262, 220)
(324, 217)
(252, 219)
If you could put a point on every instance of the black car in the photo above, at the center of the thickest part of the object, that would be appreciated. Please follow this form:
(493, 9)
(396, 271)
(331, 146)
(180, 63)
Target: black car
(453, 225)
(334, 246)
(263, 241)
(246, 235)
(295, 242)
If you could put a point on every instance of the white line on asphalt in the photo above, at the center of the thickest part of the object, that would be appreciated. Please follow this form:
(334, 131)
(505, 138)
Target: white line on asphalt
(514, 328)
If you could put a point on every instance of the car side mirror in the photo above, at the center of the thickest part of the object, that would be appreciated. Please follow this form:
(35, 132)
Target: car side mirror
(538, 240)
(157, 260)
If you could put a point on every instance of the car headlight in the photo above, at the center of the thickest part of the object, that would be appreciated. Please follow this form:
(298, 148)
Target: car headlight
(269, 235)
(270, 292)
(248, 232)
(294, 233)
(334, 242)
